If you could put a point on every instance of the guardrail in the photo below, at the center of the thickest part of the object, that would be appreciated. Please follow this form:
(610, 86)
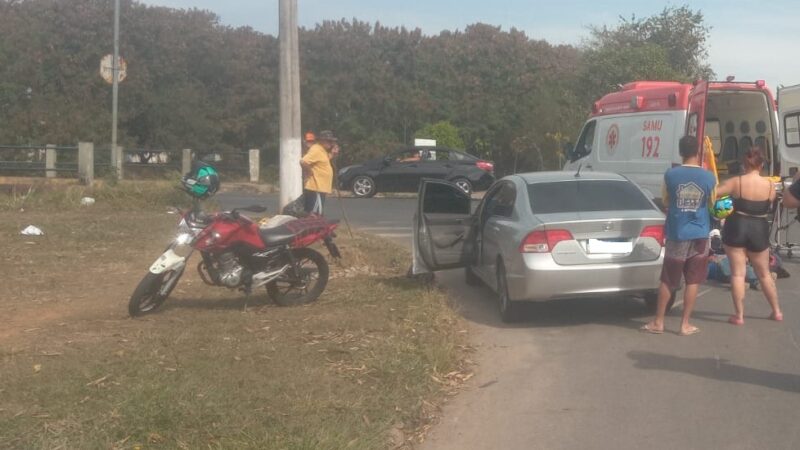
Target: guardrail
(39, 159)
(83, 161)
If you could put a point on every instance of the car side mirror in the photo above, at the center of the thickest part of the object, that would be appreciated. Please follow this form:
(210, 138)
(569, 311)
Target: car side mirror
(387, 160)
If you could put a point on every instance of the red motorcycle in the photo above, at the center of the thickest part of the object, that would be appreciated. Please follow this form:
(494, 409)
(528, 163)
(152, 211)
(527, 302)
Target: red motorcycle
(238, 254)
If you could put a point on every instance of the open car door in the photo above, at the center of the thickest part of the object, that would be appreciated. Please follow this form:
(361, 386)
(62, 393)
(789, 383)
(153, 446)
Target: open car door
(443, 227)
(696, 117)
(789, 126)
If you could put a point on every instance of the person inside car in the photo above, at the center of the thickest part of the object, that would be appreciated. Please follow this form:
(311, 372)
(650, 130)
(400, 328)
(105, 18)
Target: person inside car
(410, 156)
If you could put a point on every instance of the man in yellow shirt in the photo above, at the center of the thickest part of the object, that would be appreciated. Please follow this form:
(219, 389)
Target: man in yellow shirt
(318, 171)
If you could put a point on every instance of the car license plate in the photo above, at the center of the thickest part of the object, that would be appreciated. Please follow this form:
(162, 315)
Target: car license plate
(615, 247)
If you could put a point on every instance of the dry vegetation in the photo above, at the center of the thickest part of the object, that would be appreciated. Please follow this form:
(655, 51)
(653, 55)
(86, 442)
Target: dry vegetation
(365, 367)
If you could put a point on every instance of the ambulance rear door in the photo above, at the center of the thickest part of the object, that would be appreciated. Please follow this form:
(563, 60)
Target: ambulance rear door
(789, 126)
(696, 115)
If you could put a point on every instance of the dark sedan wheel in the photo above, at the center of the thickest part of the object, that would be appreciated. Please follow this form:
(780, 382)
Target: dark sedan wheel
(363, 186)
(463, 184)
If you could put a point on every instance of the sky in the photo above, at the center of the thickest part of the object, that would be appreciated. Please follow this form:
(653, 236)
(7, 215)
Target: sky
(746, 41)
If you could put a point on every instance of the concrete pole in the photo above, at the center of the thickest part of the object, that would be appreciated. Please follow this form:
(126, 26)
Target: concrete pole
(291, 176)
(86, 162)
(186, 160)
(115, 94)
(50, 161)
(120, 159)
(255, 165)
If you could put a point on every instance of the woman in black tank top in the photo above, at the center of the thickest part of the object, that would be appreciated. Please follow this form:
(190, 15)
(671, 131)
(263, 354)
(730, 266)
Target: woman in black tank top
(746, 233)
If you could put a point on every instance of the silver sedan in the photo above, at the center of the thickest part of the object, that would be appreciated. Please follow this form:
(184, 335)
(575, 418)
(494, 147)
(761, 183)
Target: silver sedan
(543, 236)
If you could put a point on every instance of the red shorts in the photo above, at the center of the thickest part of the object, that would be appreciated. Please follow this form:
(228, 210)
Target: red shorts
(685, 258)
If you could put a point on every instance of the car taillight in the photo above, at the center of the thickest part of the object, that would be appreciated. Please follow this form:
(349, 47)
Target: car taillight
(654, 231)
(543, 241)
(485, 165)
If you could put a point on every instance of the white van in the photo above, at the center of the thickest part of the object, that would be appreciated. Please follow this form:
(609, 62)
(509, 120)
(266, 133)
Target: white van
(635, 131)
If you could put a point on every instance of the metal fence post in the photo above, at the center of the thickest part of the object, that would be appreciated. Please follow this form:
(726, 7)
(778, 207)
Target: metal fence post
(50, 161)
(186, 160)
(86, 162)
(255, 165)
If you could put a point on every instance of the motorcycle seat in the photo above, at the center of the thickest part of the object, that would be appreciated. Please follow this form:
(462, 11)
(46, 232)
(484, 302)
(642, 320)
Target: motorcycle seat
(276, 235)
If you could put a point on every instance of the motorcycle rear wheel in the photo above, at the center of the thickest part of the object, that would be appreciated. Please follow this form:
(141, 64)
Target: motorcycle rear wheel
(152, 291)
(290, 290)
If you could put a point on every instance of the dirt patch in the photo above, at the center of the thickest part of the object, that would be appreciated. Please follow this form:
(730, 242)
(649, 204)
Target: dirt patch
(84, 264)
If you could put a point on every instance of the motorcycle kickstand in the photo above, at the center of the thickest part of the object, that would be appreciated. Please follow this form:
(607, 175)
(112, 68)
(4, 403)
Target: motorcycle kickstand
(247, 291)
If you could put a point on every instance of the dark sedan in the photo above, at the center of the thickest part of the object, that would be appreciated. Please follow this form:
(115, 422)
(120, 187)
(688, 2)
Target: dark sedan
(402, 171)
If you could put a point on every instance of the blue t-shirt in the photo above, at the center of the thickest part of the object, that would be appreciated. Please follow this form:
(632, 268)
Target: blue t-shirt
(688, 190)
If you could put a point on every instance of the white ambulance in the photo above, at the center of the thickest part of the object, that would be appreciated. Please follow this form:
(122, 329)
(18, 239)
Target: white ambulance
(635, 131)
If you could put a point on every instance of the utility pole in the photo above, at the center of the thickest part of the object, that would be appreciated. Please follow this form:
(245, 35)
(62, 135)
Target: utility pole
(114, 95)
(290, 171)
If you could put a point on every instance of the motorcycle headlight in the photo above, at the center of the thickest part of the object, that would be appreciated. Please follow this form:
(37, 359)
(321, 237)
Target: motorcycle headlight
(183, 227)
(184, 238)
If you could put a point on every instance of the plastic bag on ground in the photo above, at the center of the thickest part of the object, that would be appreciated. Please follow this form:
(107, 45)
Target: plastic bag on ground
(32, 230)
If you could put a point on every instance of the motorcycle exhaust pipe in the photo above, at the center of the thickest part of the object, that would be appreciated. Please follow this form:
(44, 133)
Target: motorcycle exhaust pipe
(262, 278)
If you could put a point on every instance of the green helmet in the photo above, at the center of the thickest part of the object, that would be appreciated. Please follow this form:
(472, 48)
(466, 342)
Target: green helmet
(202, 181)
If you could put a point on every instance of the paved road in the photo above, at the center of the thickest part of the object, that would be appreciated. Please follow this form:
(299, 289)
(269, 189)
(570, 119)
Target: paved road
(386, 217)
(578, 374)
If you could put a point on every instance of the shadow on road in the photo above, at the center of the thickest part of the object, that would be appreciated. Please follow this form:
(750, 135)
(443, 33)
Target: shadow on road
(479, 305)
(716, 369)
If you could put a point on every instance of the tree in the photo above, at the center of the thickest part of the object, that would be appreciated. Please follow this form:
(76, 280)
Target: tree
(445, 133)
(670, 45)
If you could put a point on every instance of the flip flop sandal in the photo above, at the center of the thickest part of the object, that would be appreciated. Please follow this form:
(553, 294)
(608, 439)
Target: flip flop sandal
(776, 317)
(646, 328)
(734, 320)
(690, 332)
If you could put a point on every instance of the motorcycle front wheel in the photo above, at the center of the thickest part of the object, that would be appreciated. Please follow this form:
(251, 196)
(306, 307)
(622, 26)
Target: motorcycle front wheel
(305, 284)
(152, 291)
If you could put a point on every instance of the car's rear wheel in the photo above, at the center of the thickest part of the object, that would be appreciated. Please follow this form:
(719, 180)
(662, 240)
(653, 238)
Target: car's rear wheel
(651, 300)
(463, 184)
(508, 309)
(363, 186)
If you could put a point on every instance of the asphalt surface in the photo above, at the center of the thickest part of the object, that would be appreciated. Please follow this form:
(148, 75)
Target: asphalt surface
(579, 374)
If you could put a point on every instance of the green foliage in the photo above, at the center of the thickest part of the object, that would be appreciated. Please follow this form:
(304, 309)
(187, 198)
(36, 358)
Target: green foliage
(445, 133)
(670, 45)
(193, 83)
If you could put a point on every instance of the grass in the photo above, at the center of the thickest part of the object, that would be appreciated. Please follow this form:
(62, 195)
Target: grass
(122, 195)
(363, 368)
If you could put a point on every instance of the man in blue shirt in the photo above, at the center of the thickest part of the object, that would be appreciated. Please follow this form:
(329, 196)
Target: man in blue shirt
(688, 192)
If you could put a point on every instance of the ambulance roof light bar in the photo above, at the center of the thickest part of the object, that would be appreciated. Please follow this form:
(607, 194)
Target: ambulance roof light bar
(637, 102)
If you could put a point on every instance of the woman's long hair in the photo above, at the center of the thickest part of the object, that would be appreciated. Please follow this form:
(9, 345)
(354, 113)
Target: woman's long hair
(753, 159)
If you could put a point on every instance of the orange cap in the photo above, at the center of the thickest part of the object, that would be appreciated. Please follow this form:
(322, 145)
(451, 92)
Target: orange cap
(310, 136)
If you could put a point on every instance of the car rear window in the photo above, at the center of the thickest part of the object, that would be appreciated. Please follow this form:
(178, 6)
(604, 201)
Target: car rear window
(439, 154)
(458, 156)
(586, 196)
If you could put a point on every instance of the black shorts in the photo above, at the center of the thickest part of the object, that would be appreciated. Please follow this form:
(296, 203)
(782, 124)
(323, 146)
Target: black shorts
(794, 189)
(751, 233)
(313, 201)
